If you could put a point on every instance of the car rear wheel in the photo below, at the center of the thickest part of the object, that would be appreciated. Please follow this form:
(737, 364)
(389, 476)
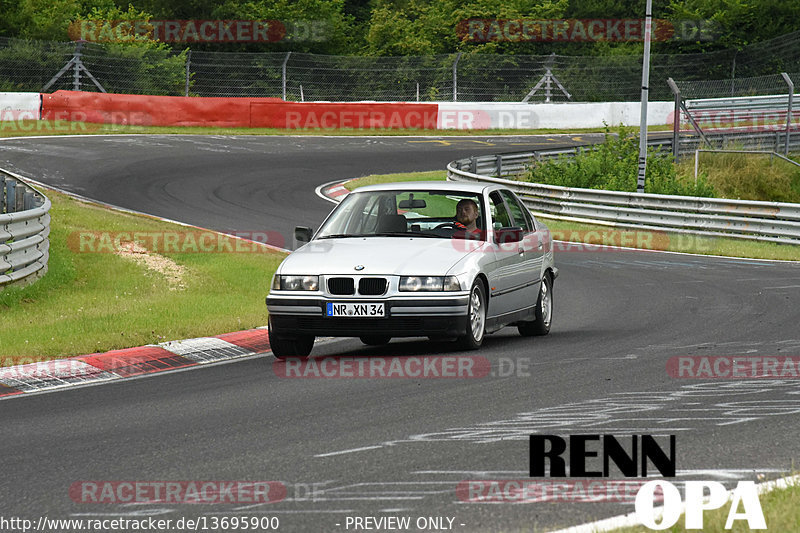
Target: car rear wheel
(283, 347)
(375, 340)
(476, 318)
(543, 311)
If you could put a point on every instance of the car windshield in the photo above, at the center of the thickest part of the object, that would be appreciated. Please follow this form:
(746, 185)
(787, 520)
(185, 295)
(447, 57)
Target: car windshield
(404, 213)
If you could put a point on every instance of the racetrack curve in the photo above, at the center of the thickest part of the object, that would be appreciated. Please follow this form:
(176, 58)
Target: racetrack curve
(400, 446)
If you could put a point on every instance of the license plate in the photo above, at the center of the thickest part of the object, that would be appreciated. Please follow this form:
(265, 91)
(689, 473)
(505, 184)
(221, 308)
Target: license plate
(355, 310)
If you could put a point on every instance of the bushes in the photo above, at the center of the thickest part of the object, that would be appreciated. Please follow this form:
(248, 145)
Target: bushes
(613, 165)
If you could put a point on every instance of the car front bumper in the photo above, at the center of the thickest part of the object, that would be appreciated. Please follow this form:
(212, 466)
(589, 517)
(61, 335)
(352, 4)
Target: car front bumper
(405, 317)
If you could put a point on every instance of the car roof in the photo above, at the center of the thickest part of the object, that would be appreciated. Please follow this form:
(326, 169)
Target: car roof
(456, 186)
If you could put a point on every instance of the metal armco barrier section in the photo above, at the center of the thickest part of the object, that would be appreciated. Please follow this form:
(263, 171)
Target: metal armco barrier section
(760, 221)
(24, 231)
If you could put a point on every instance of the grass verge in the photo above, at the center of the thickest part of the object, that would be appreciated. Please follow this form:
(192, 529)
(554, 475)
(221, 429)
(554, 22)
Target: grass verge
(746, 176)
(30, 128)
(781, 508)
(94, 300)
(592, 234)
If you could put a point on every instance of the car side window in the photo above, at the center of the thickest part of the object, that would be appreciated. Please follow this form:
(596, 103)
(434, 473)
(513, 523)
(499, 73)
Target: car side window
(517, 211)
(498, 210)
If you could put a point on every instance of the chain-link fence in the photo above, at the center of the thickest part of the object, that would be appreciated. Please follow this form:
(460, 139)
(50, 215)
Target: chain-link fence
(37, 66)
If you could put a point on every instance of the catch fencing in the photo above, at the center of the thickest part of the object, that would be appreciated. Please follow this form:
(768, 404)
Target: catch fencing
(24, 231)
(742, 219)
(40, 66)
(746, 121)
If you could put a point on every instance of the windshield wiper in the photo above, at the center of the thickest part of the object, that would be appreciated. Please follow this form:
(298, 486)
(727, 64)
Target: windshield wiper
(404, 234)
(342, 235)
(384, 234)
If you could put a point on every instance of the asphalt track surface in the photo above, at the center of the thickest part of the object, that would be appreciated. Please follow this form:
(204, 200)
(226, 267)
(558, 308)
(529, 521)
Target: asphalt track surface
(400, 447)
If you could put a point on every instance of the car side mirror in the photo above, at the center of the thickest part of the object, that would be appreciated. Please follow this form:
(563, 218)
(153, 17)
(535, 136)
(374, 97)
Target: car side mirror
(508, 235)
(302, 235)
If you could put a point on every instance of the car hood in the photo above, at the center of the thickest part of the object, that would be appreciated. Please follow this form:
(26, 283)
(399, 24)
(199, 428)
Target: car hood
(378, 255)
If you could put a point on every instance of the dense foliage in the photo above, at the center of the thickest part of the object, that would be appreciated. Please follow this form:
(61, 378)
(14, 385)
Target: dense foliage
(613, 165)
(416, 27)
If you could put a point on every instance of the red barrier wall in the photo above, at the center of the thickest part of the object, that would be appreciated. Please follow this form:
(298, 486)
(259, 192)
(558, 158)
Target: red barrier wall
(298, 115)
(145, 110)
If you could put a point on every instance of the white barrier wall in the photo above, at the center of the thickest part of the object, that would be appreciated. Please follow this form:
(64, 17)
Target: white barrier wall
(20, 106)
(483, 115)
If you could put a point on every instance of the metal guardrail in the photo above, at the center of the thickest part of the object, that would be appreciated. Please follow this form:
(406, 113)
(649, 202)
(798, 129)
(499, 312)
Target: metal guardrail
(24, 231)
(741, 103)
(516, 163)
(760, 221)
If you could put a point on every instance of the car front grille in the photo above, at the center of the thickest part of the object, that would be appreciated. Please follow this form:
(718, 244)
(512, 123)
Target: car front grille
(341, 286)
(372, 286)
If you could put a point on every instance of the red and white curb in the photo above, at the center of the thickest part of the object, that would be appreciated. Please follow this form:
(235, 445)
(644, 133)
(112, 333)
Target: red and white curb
(130, 362)
(333, 191)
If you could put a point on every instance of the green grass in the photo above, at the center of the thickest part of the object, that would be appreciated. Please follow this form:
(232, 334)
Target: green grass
(35, 128)
(435, 175)
(598, 235)
(747, 176)
(781, 509)
(95, 302)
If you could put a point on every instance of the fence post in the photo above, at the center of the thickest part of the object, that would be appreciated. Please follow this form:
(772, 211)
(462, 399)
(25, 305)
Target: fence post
(455, 77)
(283, 74)
(76, 67)
(789, 82)
(2, 193)
(188, 64)
(676, 119)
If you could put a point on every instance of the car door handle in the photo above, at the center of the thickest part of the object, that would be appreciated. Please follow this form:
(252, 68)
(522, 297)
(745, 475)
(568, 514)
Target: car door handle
(540, 245)
(521, 252)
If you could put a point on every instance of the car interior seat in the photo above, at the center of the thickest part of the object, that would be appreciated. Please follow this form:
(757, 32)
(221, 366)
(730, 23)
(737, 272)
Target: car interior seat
(392, 224)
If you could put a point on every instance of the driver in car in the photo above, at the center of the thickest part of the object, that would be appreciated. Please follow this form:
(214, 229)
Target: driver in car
(467, 214)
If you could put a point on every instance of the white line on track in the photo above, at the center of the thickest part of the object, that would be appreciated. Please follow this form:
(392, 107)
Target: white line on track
(352, 450)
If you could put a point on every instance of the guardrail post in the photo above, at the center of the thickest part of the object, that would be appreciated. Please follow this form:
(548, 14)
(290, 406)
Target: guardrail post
(499, 164)
(20, 200)
(473, 164)
(11, 196)
(27, 200)
(789, 82)
(2, 194)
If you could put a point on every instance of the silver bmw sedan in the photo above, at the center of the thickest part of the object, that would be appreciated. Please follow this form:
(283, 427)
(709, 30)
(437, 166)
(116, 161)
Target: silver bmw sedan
(442, 260)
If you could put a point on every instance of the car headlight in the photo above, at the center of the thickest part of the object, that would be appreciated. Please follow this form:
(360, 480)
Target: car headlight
(429, 283)
(295, 283)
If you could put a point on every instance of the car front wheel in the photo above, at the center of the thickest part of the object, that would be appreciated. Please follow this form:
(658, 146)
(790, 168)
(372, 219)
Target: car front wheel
(543, 311)
(476, 318)
(283, 347)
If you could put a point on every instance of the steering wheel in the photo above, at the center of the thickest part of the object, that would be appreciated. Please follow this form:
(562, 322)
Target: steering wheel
(445, 225)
